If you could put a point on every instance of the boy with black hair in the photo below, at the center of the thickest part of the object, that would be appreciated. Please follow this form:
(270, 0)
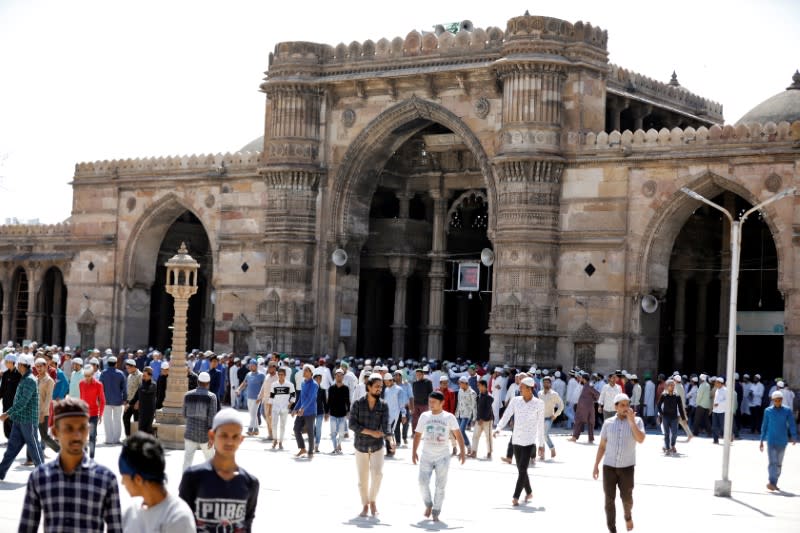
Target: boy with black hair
(142, 465)
(222, 495)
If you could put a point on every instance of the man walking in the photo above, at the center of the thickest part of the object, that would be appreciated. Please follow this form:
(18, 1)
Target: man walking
(528, 433)
(553, 407)
(46, 385)
(434, 428)
(282, 395)
(584, 410)
(393, 396)
(252, 383)
(73, 492)
(369, 420)
(199, 408)
(339, 408)
(670, 408)
(719, 409)
(306, 413)
(421, 389)
(607, 395)
(134, 380)
(466, 409)
(777, 422)
(9, 382)
(618, 440)
(756, 409)
(25, 415)
(703, 407)
(115, 389)
(484, 419)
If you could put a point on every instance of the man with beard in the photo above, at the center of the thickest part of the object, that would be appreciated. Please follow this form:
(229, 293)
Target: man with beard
(584, 410)
(369, 420)
(144, 401)
(59, 489)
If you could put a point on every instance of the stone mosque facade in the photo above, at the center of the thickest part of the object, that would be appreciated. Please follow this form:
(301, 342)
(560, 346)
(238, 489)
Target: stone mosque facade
(412, 156)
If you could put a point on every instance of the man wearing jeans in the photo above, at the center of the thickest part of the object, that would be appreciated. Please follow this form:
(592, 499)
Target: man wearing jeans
(777, 422)
(338, 408)
(466, 408)
(435, 428)
(618, 438)
(553, 407)
(24, 414)
(306, 413)
(394, 398)
(199, 408)
(115, 389)
(670, 407)
(369, 420)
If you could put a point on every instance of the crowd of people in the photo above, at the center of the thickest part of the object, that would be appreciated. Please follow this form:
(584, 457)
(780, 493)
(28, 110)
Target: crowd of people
(56, 397)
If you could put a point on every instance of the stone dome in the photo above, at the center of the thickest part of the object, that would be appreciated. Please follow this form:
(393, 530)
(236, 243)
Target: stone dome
(256, 145)
(783, 106)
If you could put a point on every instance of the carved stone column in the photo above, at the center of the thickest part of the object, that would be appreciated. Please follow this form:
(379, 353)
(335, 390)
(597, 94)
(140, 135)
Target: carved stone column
(401, 267)
(58, 303)
(181, 285)
(292, 174)
(404, 198)
(436, 277)
(33, 291)
(640, 112)
(679, 335)
(700, 327)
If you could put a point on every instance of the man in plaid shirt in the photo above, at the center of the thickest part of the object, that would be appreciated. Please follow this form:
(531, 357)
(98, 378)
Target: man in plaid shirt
(25, 417)
(73, 492)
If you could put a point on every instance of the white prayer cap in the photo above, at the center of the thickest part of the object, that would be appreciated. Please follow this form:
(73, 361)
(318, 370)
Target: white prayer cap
(463, 379)
(77, 361)
(317, 372)
(204, 377)
(757, 376)
(558, 374)
(780, 384)
(40, 361)
(426, 368)
(443, 378)
(735, 375)
(634, 377)
(622, 397)
(308, 367)
(777, 394)
(226, 416)
(88, 370)
(165, 365)
(703, 377)
(528, 382)
(676, 378)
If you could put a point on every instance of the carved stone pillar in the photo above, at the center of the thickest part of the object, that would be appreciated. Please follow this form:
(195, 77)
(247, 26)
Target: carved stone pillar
(58, 304)
(639, 114)
(404, 198)
(679, 335)
(6, 310)
(436, 277)
(401, 267)
(31, 317)
(700, 327)
(292, 173)
(616, 108)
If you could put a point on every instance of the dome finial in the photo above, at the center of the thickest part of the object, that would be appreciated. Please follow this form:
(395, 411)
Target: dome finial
(527, 13)
(795, 82)
(674, 80)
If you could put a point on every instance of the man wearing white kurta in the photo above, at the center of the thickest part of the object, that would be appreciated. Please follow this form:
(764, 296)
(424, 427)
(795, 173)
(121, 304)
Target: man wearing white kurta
(499, 389)
(573, 394)
(649, 399)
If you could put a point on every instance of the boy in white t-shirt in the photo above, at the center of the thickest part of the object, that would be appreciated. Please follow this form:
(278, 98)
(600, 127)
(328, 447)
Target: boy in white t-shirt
(435, 427)
(282, 396)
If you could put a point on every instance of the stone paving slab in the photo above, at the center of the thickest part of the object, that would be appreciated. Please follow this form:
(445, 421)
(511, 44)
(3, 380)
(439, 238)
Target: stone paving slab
(323, 493)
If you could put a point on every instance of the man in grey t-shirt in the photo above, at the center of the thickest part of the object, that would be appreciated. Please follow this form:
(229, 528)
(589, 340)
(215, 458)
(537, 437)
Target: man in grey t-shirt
(618, 440)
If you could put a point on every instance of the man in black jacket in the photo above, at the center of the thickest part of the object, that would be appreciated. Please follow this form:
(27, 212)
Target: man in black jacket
(670, 408)
(484, 419)
(161, 385)
(338, 409)
(421, 388)
(8, 388)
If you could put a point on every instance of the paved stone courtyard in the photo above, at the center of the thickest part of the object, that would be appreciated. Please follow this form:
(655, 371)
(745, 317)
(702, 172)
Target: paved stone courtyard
(323, 494)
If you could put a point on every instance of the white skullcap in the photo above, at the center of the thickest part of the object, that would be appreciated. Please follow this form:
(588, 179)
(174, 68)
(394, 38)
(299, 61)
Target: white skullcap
(226, 416)
(676, 378)
(40, 361)
(529, 382)
(777, 394)
(463, 379)
(165, 365)
(88, 370)
(622, 397)
(780, 384)
(204, 377)
(443, 378)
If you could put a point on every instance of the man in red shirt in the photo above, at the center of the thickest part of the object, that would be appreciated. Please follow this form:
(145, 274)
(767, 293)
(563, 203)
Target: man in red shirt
(92, 393)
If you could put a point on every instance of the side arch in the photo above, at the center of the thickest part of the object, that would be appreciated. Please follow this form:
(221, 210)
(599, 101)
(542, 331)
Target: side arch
(356, 177)
(663, 228)
(139, 268)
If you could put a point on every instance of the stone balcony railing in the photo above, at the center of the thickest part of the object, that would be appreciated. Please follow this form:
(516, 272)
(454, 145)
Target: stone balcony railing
(217, 164)
(38, 230)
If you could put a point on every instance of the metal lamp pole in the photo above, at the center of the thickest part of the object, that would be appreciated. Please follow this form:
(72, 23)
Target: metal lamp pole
(722, 487)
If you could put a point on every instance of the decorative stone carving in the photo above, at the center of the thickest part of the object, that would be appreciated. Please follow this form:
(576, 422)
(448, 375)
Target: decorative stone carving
(348, 117)
(210, 200)
(482, 107)
(131, 204)
(649, 188)
(773, 183)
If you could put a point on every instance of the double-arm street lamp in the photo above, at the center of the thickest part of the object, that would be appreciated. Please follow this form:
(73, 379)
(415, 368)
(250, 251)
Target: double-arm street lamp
(722, 487)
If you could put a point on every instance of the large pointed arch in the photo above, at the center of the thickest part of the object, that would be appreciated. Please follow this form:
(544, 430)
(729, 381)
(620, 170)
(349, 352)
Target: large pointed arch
(663, 228)
(139, 268)
(356, 177)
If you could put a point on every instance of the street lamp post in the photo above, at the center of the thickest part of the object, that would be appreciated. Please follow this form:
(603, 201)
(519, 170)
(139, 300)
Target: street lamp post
(722, 487)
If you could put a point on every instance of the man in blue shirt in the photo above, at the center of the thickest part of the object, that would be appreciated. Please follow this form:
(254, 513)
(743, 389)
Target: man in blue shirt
(61, 387)
(253, 382)
(306, 413)
(777, 423)
(116, 392)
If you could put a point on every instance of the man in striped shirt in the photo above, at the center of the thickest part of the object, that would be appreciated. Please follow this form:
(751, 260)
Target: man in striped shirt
(199, 408)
